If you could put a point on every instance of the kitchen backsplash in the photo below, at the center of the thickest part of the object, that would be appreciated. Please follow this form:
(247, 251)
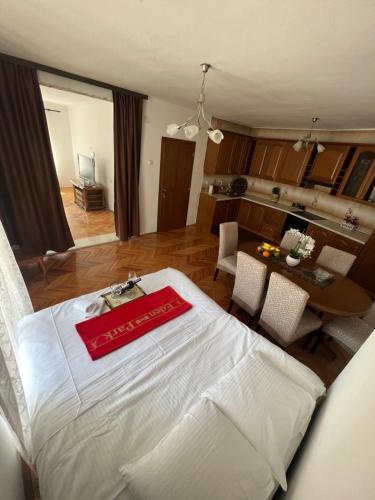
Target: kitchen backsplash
(320, 202)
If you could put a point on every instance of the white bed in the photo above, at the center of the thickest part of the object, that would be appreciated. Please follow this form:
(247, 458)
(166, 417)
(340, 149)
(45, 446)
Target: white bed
(90, 418)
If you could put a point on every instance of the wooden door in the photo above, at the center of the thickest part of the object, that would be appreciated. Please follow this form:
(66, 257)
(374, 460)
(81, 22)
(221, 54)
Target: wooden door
(327, 165)
(259, 158)
(293, 165)
(176, 166)
(275, 154)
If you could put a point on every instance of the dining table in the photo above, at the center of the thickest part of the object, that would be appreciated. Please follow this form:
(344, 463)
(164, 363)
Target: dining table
(339, 296)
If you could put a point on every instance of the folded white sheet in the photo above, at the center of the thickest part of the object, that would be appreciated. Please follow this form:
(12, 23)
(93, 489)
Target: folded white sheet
(271, 410)
(203, 457)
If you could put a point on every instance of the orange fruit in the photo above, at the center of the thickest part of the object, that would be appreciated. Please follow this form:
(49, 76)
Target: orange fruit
(266, 253)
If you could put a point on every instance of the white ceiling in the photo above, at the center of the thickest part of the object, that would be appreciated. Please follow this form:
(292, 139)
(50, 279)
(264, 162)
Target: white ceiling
(64, 97)
(276, 63)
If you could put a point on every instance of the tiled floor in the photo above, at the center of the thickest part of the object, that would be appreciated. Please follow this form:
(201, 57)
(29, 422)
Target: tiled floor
(77, 272)
(84, 224)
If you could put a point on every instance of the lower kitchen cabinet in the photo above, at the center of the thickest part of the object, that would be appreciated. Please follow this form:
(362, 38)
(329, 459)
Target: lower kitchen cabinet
(324, 236)
(225, 211)
(261, 220)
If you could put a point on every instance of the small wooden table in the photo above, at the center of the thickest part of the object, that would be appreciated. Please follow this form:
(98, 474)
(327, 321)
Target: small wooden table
(343, 297)
(88, 197)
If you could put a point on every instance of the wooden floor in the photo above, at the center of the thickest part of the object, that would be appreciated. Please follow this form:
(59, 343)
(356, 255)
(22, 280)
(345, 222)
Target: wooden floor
(77, 272)
(85, 224)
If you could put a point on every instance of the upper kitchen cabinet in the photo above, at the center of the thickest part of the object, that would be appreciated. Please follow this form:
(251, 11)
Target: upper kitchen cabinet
(259, 158)
(327, 165)
(359, 180)
(267, 157)
(274, 157)
(228, 157)
(293, 164)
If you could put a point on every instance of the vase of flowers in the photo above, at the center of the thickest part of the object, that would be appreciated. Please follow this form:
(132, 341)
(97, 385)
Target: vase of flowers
(302, 249)
(293, 259)
(351, 221)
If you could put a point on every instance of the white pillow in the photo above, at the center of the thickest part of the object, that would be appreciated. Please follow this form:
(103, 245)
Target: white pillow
(204, 457)
(267, 407)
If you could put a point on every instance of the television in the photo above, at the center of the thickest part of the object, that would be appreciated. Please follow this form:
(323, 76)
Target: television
(86, 166)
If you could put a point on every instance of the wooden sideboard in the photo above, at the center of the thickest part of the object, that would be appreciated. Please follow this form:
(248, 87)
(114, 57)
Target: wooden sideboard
(89, 197)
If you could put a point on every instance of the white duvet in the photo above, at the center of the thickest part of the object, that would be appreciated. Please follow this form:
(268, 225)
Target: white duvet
(89, 418)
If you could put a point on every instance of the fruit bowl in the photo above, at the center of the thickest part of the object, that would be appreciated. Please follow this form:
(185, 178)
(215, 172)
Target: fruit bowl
(268, 250)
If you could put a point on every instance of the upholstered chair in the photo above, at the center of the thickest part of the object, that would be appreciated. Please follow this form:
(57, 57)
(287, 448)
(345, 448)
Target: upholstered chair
(350, 332)
(289, 241)
(249, 284)
(284, 315)
(228, 242)
(336, 260)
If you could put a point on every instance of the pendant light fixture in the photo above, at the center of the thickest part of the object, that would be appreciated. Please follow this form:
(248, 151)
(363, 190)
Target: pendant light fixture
(194, 123)
(304, 142)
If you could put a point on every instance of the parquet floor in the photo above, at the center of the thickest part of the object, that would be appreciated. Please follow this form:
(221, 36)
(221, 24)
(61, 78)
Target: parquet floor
(85, 224)
(77, 272)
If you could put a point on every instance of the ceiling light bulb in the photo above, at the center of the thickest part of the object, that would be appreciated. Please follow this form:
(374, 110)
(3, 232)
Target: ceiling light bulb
(215, 135)
(172, 129)
(320, 148)
(297, 146)
(191, 131)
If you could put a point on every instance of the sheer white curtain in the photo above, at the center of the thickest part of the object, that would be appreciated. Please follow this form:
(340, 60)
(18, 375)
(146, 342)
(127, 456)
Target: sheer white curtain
(14, 304)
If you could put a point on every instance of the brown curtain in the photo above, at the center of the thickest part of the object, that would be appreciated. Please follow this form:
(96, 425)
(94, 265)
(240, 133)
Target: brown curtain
(127, 111)
(31, 207)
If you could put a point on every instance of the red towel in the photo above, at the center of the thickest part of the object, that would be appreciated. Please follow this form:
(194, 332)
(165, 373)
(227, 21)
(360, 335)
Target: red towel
(116, 328)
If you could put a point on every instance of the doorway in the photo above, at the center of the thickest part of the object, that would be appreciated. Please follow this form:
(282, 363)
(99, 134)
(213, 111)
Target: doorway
(81, 126)
(176, 167)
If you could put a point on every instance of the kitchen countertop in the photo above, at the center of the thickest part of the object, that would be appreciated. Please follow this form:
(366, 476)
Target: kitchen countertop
(333, 226)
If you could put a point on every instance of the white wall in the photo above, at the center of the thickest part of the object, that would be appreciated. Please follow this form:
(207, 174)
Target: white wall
(11, 485)
(337, 462)
(92, 131)
(61, 142)
(157, 114)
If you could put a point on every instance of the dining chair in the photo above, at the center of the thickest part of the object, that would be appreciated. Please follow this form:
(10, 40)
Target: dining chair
(284, 315)
(228, 242)
(249, 284)
(351, 332)
(336, 260)
(289, 241)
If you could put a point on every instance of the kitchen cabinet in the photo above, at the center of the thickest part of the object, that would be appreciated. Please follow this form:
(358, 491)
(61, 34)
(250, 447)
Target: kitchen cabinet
(259, 219)
(346, 244)
(267, 157)
(293, 164)
(359, 180)
(321, 236)
(212, 212)
(327, 165)
(274, 156)
(228, 157)
(243, 212)
(272, 224)
(225, 211)
(362, 271)
(324, 236)
(259, 158)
